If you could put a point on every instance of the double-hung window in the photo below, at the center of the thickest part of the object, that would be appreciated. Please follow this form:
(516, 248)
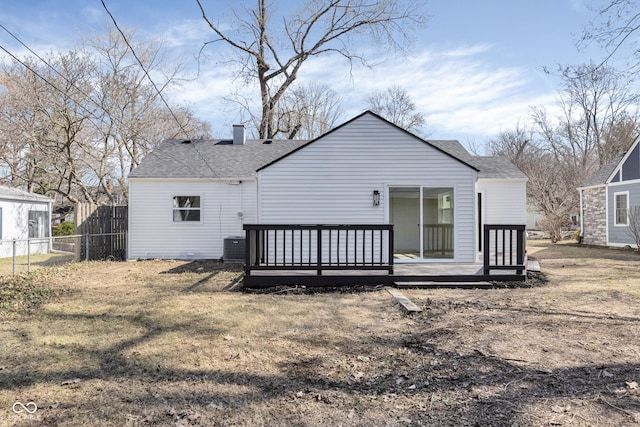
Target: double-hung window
(621, 201)
(186, 209)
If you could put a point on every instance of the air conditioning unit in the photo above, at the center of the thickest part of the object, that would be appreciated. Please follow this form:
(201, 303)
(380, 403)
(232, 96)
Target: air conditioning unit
(234, 249)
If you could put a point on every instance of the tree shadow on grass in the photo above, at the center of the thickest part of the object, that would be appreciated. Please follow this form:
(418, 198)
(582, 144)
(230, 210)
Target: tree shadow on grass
(363, 375)
(223, 276)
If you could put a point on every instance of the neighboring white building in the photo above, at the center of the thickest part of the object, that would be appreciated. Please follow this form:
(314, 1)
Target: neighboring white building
(186, 197)
(23, 216)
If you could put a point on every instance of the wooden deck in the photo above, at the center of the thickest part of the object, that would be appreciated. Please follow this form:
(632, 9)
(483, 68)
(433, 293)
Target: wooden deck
(404, 273)
(352, 255)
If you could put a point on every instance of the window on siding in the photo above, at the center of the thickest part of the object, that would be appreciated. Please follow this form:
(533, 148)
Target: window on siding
(186, 208)
(622, 208)
(38, 224)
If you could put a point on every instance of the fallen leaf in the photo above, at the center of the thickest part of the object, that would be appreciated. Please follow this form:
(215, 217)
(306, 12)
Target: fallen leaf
(73, 381)
(632, 385)
(228, 337)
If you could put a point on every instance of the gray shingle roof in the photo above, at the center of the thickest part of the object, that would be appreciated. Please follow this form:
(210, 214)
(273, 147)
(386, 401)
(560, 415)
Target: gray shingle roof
(17, 194)
(497, 167)
(211, 158)
(489, 166)
(221, 159)
(604, 173)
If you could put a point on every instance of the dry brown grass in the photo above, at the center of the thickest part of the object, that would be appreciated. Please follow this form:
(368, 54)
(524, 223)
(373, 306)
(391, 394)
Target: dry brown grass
(162, 343)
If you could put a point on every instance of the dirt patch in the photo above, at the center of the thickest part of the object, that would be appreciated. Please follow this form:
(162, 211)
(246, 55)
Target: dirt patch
(163, 343)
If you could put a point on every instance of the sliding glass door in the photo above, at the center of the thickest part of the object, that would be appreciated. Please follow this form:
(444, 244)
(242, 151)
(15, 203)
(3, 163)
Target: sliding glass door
(423, 222)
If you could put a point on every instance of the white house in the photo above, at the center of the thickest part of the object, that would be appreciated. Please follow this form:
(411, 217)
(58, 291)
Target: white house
(23, 216)
(186, 197)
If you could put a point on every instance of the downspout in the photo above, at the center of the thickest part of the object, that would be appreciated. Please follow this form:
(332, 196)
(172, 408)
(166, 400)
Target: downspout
(258, 199)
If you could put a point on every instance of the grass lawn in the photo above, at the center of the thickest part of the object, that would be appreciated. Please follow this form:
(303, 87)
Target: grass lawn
(37, 261)
(163, 343)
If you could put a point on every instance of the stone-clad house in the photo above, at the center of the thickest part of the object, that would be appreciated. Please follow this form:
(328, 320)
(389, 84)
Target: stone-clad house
(606, 199)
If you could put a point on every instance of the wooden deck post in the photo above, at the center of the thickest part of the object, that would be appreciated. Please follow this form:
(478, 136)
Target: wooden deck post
(485, 250)
(319, 251)
(390, 255)
(520, 242)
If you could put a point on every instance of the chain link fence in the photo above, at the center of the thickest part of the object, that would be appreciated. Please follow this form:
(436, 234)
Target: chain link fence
(23, 255)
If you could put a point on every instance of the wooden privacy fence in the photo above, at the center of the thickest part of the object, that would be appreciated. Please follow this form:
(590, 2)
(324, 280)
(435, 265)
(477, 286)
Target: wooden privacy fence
(104, 229)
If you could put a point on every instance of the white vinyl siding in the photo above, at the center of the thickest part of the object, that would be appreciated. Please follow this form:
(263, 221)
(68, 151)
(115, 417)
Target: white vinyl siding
(15, 225)
(332, 180)
(154, 234)
(504, 201)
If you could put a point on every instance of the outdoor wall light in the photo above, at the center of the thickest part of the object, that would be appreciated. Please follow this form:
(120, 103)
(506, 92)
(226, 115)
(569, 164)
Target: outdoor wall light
(376, 198)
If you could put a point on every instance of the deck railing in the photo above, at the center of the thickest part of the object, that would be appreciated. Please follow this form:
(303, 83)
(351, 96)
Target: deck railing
(438, 238)
(504, 248)
(318, 247)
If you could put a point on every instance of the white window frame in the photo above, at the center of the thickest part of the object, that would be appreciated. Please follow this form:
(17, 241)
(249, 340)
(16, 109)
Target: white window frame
(174, 209)
(38, 228)
(616, 222)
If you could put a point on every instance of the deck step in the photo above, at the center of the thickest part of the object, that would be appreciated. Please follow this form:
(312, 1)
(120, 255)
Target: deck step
(405, 302)
(450, 285)
(533, 265)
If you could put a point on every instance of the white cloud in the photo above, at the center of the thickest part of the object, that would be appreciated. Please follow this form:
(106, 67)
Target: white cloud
(461, 92)
(189, 33)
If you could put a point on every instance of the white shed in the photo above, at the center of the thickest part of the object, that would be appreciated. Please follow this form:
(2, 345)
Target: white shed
(24, 216)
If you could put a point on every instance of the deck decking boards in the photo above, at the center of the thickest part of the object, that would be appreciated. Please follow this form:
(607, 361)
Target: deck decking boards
(416, 275)
(440, 285)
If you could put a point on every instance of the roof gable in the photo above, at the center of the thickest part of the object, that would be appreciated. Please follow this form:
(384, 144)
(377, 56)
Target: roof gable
(383, 121)
(623, 167)
(630, 165)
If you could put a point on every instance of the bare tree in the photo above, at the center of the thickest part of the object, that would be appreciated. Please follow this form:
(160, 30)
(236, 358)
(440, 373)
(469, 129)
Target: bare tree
(634, 225)
(308, 111)
(613, 27)
(73, 124)
(550, 185)
(519, 145)
(395, 105)
(132, 117)
(596, 100)
(272, 49)
(598, 119)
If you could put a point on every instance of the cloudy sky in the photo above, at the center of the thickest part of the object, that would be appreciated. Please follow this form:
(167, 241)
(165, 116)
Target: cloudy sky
(475, 68)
